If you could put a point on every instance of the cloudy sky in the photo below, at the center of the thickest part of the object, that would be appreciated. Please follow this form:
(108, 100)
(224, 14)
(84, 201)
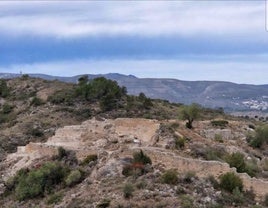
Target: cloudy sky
(187, 40)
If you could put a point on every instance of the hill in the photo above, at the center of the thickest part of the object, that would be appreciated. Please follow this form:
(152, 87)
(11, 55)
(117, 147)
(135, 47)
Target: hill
(214, 94)
(92, 145)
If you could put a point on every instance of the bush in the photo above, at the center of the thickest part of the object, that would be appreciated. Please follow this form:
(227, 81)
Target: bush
(35, 182)
(62, 97)
(66, 156)
(188, 178)
(6, 108)
(54, 198)
(127, 170)
(12, 182)
(237, 160)
(36, 102)
(106, 91)
(230, 181)
(238, 196)
(180, 142)
(214, 153)
(73, 178)
(140, 157)
(137, 165)
(128, 190)
(89, 158)
(260, 138)
(219, 123)
(174, 125)
(141, 184)
(218, 138)
(25, 76)
(213, 182)
(252, 168)
(146, 102)
(62, 153)
(4, 90)
(170, 177)
(36, 132)
(187, 201)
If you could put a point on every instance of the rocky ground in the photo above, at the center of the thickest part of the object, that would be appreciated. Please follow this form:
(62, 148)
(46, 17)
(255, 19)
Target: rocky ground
(114, 142)
(39, 125)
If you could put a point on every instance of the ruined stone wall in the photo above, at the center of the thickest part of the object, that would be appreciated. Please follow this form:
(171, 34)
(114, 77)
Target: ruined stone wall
(206, 168)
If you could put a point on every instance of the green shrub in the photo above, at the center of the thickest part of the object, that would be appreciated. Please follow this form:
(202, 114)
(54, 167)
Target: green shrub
(137, 166)
(36, 102)
(62, 153)
(6, 108)
(54, 198)
(189, 176)
(12, 182)
(187, 201)
(214, 154)
(89, 158)
(170, 177)
(35, 182)
(252, 168)
(174, 125)
(62, 97)
(36, 132)
(218, 138)
(73, 178)
(128, 190)
(180, 190)
(213, 182)
(260, 138)
(105, 90)
(4, 90)
(127, 170)
(180, 142)
(141, 184)
(219, 123)
(140, 157)
(237, 160)
(66, 156)
(25, 76)
(230, 181)
(238, 196)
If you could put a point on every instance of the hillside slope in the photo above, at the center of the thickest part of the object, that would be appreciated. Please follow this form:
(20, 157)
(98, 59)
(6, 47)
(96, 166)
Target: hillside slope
(215, 94)
(92, 145)
(113, 142)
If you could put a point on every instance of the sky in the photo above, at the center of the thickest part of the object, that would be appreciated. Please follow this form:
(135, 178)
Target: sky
(186, 40)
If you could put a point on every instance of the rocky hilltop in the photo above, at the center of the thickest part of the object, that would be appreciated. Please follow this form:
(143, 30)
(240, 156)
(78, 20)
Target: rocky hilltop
(91, 144)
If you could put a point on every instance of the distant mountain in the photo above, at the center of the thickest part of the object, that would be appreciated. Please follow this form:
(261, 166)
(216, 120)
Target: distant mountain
(215, 94)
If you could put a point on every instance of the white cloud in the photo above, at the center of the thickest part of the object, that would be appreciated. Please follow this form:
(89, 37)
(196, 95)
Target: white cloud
(75, 19)
(254, 72)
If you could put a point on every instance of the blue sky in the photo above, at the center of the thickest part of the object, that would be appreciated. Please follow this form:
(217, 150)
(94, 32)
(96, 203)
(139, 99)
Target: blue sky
(187, 40)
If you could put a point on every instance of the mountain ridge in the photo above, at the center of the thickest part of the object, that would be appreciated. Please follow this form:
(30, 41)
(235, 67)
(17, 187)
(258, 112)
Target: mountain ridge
(214, 94)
